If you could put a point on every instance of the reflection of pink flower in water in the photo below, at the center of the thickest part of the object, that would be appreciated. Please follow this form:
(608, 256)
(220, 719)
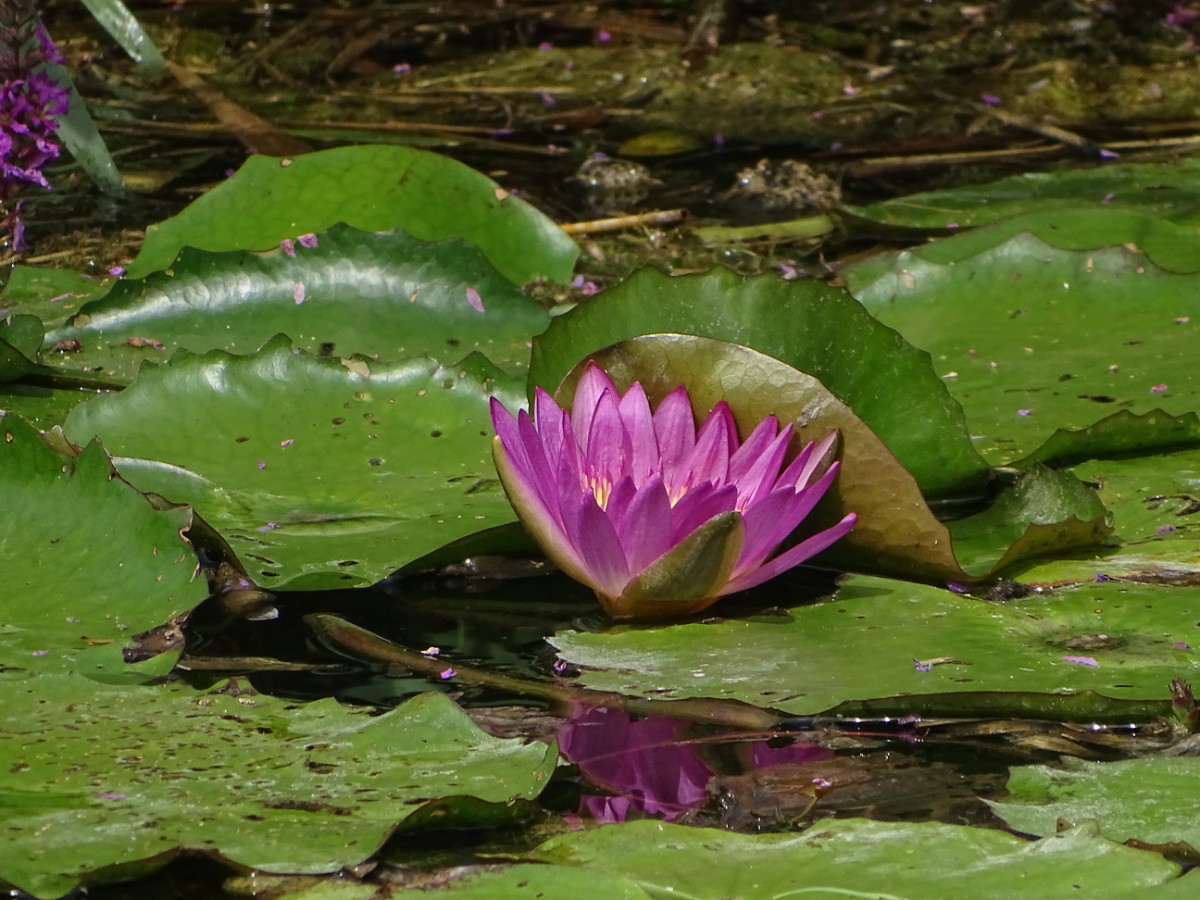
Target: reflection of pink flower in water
(659, 519)
(647, 766)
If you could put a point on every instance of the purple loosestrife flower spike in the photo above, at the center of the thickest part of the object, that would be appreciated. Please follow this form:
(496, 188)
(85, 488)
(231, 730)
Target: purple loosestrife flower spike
(31, 103)
(659, 519)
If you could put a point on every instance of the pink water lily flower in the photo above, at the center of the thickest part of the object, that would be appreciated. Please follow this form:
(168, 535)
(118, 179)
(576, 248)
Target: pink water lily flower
(658, 519)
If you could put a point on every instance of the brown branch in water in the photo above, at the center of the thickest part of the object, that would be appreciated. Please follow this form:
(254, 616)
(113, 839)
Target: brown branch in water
(368, 646)
(621, 223)
(255, 132)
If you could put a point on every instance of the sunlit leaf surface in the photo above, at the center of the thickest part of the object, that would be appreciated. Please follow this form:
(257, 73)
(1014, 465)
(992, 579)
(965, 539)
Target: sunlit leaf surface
(342, 470)
(77, 588)
(866, 641)
(1031, 338)
(857, 858)
(384, 295)
(93, 778)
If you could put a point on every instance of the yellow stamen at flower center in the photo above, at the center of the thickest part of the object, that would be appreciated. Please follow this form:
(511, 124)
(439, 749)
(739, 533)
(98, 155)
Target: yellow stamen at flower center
(598, 486)
(674, 495)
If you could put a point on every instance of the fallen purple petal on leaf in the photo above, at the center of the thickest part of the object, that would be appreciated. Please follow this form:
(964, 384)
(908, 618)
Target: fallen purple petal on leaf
(990, 99)
(446, 674)
(1082, 661)
(308, 241)
(431, 651)
(298, 292)
(1158, 389)
(1182, 645)
(474, 299)
(1165, 529)
(288, 246)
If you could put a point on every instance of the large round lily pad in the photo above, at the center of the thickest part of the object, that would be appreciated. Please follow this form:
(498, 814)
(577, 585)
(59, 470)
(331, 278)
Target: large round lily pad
(1031, 338)
(342, 470)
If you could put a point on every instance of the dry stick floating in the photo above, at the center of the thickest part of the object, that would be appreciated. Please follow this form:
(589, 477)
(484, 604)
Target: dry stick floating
(620, 223)
(250, 129)
(368, 646)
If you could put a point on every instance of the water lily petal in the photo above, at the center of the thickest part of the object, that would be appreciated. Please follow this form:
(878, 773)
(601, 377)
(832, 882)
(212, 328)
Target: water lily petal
(553, 424)
(756, 481)
(639, 427)
(772, 519)
(806, 549)
(813, 460)
(593, 384)
(607, 451)
(620, 498)
(699, 505)
(542, 523)
(597, 542)
(709, 459)
(645, 527)
(753, 448)
(676, 428)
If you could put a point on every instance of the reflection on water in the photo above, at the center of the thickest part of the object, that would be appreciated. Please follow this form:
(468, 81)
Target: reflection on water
(658, 766)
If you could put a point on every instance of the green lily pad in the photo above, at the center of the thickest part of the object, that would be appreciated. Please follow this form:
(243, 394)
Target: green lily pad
(20, 340)
(863, 643)
(1170, 192)
(339, 470)
(1120, 434)
(373, 188)
(76, 590)
(1032, 339)
(1044, 513)
(48, 293)
(1156, 511)
(1150, 799)
(859, 858)
(386, 295)
(117, 776)
(813, 328)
